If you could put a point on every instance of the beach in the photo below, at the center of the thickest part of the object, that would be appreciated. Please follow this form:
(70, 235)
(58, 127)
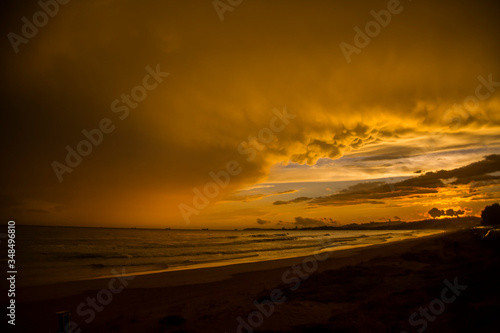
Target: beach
(367, 289)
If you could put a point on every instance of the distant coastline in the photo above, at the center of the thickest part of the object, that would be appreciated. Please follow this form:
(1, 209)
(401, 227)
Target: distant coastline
(440, 224)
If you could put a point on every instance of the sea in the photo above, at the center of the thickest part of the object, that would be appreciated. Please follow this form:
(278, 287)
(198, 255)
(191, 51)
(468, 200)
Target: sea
(47, 255)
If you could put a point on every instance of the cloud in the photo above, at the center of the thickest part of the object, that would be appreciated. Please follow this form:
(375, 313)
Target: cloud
(246, 198)
(260, 186)
(253, 197)
(435, 212)
(478, 171)
(308, 222)
(429, 183)
(296, 200)
(363, 187)
(287, 191)
(31, 206)
(260, 221)
(365, 193)
(305, 222)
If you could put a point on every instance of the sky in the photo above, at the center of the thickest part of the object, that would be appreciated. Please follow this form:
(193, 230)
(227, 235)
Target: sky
(235, 114)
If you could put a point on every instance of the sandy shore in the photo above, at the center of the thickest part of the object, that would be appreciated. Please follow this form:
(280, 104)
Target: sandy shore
(372, 289)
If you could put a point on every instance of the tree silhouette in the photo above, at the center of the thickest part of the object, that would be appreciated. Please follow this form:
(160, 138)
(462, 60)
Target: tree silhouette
(491, 215)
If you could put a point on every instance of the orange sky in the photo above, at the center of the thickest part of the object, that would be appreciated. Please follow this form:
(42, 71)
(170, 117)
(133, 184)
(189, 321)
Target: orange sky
(265, 99)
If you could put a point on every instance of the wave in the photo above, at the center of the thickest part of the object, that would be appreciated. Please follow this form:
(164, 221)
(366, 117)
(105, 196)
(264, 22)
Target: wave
(224, 237)
(208, 244)
(220, 254)
(94, 256)
(170, 264)
(222, 249)
(106, 265)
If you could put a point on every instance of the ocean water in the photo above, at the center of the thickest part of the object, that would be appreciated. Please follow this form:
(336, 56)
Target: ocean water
(55, 254)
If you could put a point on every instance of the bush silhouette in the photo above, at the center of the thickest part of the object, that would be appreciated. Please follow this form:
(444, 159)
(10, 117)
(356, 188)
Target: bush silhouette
(491, 215)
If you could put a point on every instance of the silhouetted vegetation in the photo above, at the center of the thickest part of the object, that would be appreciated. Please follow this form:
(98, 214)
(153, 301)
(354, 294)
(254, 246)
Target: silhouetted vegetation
(491, 215)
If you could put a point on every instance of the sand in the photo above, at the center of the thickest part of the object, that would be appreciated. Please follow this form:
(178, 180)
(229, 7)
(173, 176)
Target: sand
(371, 289)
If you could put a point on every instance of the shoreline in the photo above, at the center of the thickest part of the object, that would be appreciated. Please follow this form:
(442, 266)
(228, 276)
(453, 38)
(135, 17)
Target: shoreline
(275, 261)
(75, 263)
